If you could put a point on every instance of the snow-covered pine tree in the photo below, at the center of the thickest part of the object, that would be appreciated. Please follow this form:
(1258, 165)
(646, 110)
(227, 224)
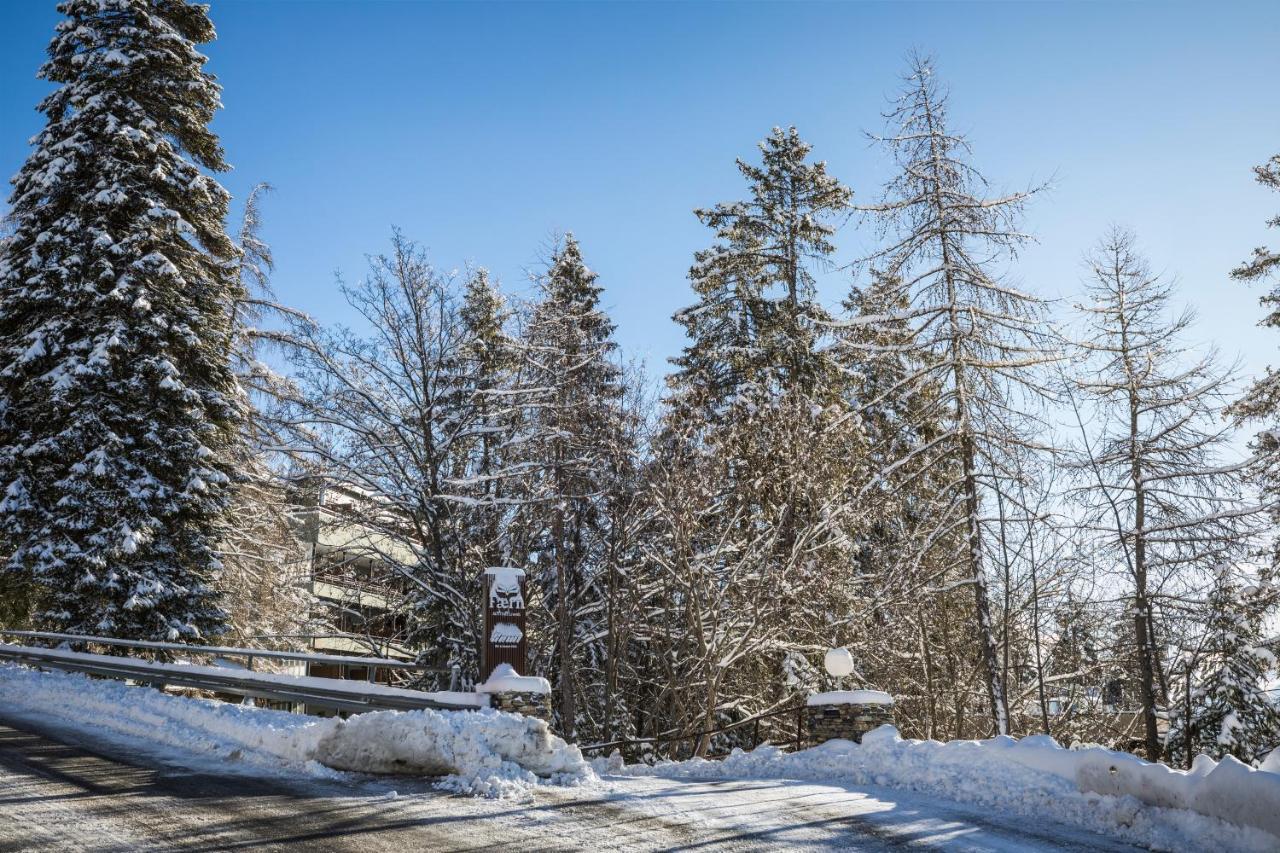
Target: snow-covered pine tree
(759, 401)
(1260, 404)
(487, 370)
(752, 331)
(978, 337)
(119, 413)
(572, 391)
(1159, 495)
(613, 677)
(1232, 713)
(898, 558)
(1265, 262)
(890, 569)
(485, 489)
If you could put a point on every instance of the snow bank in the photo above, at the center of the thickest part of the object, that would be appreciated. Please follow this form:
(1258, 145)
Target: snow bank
(1228, 790)
(850, 697)
(484, 752)
(1034, 777)
(504, 678)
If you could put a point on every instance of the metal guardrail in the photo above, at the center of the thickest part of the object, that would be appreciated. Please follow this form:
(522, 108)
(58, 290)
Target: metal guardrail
(334, 694)
(229, 651)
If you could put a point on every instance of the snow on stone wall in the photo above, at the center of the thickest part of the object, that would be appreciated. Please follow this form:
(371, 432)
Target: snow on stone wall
(850, 697)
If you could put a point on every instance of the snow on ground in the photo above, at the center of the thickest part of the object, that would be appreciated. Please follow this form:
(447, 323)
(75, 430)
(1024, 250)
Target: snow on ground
(891, 788)
(482, 752)
(78, 792)
(1033, 778)
(773, 814)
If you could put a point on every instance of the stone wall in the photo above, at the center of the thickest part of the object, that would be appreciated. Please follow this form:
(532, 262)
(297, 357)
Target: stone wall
(529, 703)
(849, 721)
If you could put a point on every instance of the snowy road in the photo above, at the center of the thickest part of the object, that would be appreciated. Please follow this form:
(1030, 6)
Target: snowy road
(58, 792)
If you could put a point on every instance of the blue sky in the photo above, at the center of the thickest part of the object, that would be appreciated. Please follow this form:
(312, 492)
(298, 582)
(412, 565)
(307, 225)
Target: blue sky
(482, 129)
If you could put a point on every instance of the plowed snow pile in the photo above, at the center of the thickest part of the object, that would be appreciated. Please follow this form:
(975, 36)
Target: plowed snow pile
(1219, 806)
(483, 752)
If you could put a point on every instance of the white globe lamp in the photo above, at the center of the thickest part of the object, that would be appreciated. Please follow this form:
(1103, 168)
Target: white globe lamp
(839, 662)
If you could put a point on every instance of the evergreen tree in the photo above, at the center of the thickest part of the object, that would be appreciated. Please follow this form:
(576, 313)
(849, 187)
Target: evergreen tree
(1261, 402)
(119, 413)
(487, 370)
(752, 331)
(757, 402)
(1265, 262)
(572, 391)
(484, 488)
(1231, 711)
(612, 714)
(899, 556)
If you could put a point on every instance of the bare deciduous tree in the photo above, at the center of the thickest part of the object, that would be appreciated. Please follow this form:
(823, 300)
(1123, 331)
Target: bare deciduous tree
(978, 338)
(1155, 485)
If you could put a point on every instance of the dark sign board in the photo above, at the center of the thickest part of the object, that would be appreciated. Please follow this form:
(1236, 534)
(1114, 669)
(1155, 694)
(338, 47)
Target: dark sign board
(504, 620)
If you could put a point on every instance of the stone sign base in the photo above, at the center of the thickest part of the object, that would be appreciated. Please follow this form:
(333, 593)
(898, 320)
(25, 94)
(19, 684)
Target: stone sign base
(847, 721)
(529, 703)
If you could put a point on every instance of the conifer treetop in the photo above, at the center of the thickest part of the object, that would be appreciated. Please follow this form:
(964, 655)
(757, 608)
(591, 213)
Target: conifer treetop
(1264, 261)
(752, 328)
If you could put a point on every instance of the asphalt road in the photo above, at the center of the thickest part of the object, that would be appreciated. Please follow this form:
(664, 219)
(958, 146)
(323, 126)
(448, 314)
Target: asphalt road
(60, 791)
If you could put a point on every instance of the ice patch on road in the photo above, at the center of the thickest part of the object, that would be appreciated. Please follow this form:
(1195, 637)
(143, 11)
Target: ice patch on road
(1034, 777)
(483, 752)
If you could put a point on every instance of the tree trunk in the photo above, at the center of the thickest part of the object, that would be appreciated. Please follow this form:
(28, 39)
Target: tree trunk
(931, 701)
(564, 628)
(708, 717)
(968, 452)
(1006, 573)
(1141, 604)
(611, 644)
(987, 658)
(1035, 636)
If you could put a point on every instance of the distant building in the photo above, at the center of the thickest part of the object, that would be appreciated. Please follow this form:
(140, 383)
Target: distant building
(353, 575)
(1110, 715)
